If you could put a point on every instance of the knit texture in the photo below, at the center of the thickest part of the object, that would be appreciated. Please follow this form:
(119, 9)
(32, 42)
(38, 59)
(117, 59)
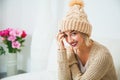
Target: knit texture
(76, 19)
(100, 65)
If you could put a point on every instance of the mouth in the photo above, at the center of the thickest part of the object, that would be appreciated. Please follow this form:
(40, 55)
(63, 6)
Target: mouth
(73, 44)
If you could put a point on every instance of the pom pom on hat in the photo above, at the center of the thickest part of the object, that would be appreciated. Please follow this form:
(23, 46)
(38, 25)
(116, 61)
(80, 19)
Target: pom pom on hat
(76, 2)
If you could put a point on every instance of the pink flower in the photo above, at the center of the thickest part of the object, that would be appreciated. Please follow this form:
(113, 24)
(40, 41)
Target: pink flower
(9, 29)
(16, 44)
(16, 32)
(4, 33)
(12, 38)
(23, 34)
(1, 33)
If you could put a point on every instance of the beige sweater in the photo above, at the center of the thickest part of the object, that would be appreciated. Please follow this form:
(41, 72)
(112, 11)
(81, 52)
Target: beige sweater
(100, 65)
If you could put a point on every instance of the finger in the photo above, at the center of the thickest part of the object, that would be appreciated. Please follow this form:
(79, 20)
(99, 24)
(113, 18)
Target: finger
(59, 35)
(61, 39)
(70, 49)
(61, 43)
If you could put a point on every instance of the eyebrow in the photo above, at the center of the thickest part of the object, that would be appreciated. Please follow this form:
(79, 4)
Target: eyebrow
(72, 31)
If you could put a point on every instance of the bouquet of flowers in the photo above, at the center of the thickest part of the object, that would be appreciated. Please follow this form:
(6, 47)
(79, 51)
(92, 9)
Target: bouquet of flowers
(13, 39)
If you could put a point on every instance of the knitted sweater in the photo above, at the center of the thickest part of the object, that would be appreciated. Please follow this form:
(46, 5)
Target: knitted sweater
(100, 65)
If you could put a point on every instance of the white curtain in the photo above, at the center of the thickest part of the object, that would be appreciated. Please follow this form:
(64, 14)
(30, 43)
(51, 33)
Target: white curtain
(44, 33)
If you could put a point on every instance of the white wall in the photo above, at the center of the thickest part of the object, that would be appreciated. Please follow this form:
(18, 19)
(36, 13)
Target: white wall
(104, 16)
(1, 3)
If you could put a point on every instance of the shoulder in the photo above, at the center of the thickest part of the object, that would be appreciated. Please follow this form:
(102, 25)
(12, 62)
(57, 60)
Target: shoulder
(101, 51)
(100, 48)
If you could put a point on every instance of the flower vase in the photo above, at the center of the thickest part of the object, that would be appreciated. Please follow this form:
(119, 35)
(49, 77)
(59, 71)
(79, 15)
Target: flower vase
(11, 64)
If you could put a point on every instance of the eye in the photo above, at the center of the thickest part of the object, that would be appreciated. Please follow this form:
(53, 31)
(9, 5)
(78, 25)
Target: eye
(65, 35)
(73, 33)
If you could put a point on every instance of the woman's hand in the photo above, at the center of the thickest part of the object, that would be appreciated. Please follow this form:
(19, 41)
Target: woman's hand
(71, 56)
(60, 37)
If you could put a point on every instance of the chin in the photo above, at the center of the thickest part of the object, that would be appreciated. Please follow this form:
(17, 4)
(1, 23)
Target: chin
(75, 47)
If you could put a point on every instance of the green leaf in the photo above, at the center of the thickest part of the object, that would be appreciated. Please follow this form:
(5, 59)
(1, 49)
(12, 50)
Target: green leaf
(2, 51)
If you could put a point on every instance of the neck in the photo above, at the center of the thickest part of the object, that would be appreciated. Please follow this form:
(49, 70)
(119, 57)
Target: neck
(83, 53)
(83, 49)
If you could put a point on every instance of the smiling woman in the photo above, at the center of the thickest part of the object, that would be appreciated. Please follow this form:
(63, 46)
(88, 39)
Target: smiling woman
(82, 61)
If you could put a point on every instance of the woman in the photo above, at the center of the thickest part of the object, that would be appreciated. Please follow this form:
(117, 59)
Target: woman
(85, 59)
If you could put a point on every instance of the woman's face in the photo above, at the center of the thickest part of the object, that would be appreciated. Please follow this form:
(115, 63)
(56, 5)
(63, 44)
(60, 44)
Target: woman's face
(74, 38)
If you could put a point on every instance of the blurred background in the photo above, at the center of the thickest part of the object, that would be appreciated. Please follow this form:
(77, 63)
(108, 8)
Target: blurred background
(40, 18)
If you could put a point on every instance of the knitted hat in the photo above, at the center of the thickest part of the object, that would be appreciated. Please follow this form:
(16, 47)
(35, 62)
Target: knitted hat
(76, 19)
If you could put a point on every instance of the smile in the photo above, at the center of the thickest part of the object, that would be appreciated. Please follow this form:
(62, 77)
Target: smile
(73, 44)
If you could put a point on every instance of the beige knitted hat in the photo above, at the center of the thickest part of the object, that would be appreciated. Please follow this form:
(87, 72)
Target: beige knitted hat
(76, 19)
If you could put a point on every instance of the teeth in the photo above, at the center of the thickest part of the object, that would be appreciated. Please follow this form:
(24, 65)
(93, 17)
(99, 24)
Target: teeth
(73, 44)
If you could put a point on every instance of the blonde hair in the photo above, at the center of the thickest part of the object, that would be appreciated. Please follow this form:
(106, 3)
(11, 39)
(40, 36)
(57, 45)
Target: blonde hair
(86, 39)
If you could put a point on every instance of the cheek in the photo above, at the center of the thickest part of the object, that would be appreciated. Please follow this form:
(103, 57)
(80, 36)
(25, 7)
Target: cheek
(76, 38)
(66, 39)
(79, 39)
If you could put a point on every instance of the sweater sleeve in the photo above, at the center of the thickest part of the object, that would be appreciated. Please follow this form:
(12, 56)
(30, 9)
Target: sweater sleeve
(95, 71)
(63, 66)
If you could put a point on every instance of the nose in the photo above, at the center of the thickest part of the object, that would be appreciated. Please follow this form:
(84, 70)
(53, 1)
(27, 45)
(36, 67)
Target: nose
(69, 39)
